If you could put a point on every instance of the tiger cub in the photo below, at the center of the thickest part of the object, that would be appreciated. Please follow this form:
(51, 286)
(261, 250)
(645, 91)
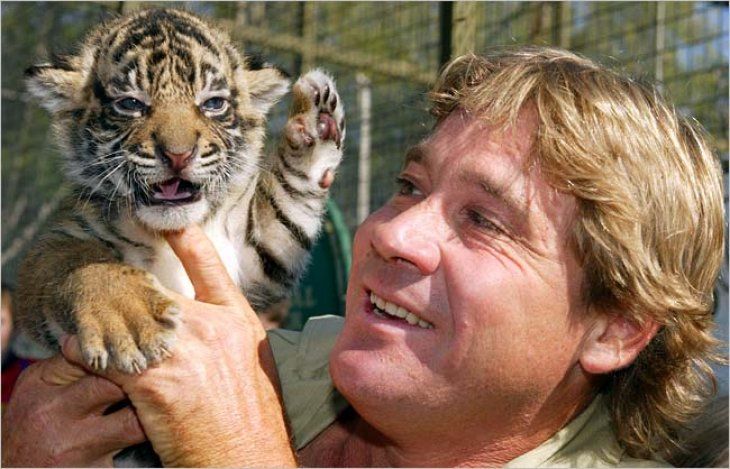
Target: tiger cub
(161, 123)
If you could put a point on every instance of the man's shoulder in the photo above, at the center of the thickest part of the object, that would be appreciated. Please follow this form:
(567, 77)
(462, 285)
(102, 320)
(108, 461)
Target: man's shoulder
(310, 347)
(302, 360)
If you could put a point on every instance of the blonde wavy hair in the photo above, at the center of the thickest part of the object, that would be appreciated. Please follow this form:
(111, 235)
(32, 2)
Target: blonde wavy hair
(650, 224)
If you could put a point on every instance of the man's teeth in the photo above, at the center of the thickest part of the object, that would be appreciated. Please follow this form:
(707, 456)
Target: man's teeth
(383, 306)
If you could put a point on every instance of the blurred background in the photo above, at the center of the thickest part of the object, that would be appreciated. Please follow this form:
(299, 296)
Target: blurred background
(384, 56)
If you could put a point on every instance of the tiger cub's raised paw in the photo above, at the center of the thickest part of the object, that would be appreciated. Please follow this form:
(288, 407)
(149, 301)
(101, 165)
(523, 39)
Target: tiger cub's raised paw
(122, 318)
(317, 113)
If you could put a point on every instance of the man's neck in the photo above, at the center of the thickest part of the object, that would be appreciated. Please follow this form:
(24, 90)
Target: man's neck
(352, 442)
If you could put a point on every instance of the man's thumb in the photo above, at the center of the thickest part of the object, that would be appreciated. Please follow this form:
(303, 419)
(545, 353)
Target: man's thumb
(203, 265)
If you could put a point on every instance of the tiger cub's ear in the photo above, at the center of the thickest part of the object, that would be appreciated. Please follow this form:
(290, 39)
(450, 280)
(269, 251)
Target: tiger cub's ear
(265, 86)
(56, 84)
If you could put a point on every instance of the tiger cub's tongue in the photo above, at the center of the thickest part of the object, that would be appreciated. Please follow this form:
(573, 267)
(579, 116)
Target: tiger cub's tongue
(168, 191)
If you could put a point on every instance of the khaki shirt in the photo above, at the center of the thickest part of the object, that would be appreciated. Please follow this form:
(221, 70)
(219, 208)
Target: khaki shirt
(312, 404)
(587, 441)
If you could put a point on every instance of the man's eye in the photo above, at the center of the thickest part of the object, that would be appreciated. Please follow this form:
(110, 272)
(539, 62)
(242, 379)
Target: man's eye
(129, 105)
(481, 222)
(406, 187)
(216, 104)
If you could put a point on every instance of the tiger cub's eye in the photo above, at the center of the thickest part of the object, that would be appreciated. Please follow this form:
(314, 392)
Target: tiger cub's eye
(129, 105)
(217, 104)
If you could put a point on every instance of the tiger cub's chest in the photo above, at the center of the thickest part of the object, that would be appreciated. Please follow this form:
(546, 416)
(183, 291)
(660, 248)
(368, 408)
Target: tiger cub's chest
(164, 264)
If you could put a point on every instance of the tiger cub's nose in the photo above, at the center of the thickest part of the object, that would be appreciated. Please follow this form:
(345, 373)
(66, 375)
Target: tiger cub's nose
(178, 159)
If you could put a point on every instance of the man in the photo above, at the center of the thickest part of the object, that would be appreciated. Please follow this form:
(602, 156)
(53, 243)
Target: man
(537, 293)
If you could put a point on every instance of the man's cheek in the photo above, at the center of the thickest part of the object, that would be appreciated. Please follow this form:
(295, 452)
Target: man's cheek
(488, 295)
(364, 233)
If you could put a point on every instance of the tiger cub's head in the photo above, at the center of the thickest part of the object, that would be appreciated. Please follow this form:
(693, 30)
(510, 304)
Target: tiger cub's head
(159, 113)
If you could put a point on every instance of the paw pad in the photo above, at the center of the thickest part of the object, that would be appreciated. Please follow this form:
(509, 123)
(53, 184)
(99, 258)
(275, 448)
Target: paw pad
(324, 114)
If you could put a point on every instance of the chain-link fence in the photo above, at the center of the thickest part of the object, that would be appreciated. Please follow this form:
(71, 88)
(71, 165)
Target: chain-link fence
(384, 55)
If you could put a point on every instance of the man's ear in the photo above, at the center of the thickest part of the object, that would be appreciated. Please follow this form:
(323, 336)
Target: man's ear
(56, 84)
(614, 342)
(265, 86)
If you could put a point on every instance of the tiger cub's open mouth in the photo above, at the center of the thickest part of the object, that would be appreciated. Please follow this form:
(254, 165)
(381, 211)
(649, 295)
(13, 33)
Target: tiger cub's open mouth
(175, 191)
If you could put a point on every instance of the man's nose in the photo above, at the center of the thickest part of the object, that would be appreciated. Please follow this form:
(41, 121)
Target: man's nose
(411, 236)
(177, 158)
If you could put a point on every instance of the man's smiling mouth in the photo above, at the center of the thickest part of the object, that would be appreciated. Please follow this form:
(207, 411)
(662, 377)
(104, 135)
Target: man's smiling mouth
(389, 310)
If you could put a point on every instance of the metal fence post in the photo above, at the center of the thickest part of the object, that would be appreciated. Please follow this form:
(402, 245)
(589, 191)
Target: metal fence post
(564, 24)
(309, 36)
(464, 28)
(446, 23)
(364, 99)
(661, 13)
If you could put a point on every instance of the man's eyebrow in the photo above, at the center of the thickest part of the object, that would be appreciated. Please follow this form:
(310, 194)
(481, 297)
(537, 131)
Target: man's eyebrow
(497, 191)
(416, 154)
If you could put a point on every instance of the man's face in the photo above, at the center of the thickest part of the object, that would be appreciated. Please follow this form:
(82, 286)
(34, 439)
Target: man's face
(475, 246)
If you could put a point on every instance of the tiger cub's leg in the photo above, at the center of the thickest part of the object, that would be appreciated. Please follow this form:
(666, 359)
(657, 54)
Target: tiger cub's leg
(286, 211)
(68, 285)
(122, 317)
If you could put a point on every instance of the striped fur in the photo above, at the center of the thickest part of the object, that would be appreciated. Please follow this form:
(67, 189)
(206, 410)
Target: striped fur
(140, 87)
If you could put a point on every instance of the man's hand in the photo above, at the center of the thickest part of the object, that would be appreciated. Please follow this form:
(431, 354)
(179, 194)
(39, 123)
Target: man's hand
(55, 418)
(215, 402)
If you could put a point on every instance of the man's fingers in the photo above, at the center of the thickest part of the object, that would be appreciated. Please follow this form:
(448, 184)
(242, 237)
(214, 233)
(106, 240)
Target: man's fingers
(119, 430)
(71, 350)
(57, 371)
(94, 394)
(105, 461)
(204, 268)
